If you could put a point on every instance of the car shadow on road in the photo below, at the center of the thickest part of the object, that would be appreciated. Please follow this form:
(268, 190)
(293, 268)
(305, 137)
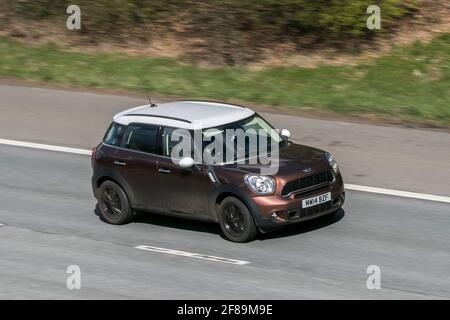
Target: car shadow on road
(304, 227)
(208, 227)
(172, 222)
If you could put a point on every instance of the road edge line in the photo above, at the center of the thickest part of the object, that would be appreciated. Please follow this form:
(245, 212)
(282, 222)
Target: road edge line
(398, 193)
(41, 146)
(353, 187)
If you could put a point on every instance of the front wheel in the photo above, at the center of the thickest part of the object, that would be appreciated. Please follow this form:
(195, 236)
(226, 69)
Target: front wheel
(113, 204)
(236, 221)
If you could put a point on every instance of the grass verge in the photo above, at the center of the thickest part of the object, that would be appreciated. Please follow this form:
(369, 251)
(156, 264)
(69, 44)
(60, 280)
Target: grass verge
(411, 83)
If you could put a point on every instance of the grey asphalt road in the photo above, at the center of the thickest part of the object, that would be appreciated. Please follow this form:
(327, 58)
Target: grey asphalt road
(49, 223)
(378, 156)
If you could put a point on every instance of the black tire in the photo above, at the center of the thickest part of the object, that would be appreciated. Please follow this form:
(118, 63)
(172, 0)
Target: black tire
(113, 204)
(236, 221)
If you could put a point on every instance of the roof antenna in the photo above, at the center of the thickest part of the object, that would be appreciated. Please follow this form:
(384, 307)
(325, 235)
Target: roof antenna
(152, 105)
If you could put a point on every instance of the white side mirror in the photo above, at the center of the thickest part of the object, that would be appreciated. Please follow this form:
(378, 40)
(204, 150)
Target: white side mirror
(285, 133)
(186, 163)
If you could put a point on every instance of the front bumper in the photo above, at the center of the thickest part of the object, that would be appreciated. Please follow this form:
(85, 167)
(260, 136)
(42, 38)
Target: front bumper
(274, 211)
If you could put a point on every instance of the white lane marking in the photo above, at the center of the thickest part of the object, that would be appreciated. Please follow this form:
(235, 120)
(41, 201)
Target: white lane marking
(398, 193)
(1, 224)
(354, 187)
(192, 255)
(44, 147)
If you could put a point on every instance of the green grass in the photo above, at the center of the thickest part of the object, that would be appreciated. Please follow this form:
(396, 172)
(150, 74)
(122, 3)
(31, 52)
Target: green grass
(411, 83)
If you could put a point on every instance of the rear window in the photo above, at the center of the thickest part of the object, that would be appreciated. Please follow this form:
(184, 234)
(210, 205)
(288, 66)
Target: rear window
(114, 135)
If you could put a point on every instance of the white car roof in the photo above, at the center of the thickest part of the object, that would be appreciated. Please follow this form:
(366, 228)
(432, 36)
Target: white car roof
(185, 114)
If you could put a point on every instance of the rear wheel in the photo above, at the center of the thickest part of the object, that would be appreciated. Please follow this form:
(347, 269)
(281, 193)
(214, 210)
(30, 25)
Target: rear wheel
(236, 221)
(113, 204)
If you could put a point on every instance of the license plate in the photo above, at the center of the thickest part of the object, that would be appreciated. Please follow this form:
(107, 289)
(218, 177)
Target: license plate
(314, 201)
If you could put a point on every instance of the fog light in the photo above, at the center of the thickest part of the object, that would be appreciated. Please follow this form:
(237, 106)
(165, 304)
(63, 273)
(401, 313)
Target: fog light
(342, 198)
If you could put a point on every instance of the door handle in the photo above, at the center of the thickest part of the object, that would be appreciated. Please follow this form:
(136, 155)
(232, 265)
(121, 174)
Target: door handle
(164, 171)
(120, 163)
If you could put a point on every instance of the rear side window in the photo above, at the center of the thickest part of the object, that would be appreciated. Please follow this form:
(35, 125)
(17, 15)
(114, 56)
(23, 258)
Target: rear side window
(114, 135)
(141, 137)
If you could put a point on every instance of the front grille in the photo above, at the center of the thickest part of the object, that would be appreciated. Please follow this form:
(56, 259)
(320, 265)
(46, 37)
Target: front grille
(316, 209)
(307, 182)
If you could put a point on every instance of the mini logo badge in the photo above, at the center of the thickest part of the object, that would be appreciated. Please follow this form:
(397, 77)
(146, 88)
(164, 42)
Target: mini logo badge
(306, 170)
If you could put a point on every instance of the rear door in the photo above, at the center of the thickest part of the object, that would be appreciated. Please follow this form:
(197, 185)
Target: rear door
(136, 161)
(186, 190)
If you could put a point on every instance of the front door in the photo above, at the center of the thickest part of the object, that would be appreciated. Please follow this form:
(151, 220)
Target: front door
(186, 190)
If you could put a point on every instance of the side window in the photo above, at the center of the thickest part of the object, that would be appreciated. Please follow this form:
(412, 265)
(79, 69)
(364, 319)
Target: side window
(168, 142)
(141, 137)
(114, 135)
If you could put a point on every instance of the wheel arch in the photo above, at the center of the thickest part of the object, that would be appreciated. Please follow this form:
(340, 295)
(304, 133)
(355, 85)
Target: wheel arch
(106, 175)
(225, 191)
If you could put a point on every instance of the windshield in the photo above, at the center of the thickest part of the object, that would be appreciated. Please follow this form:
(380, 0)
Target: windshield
(241, 140)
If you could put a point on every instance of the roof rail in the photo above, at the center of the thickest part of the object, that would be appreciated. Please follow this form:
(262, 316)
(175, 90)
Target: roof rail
(211, 101)
(155, 116)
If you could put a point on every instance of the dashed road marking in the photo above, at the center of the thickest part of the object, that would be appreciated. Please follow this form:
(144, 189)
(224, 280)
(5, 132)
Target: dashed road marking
(192, 255)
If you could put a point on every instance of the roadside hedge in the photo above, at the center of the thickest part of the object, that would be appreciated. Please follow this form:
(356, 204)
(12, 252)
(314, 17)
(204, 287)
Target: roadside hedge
(331, 18)
(233, 26)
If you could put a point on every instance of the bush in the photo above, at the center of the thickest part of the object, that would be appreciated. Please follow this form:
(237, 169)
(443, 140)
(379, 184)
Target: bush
(234, 28)
(332, 17)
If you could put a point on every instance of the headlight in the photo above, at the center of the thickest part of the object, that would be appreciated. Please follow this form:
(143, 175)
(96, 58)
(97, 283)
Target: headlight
(332, 162)
(260, 184)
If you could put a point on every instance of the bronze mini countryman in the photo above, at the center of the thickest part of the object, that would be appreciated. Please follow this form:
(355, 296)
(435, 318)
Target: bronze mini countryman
(134, 170)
